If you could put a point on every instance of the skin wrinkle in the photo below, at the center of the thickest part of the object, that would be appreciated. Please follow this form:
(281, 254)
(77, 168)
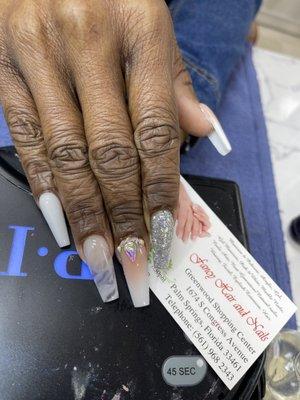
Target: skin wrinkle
(19, 122)
(156, 140)
(105, 129)
(66, 159)
(7, 67)
(111, 157)
(29, 141)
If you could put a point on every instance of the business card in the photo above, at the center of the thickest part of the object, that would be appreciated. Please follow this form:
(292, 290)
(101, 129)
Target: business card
(222, 299)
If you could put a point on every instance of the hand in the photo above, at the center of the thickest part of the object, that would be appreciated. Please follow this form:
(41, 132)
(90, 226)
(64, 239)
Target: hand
(92, 91)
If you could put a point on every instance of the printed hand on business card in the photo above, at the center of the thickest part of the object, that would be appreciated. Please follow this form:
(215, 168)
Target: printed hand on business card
(224, 301)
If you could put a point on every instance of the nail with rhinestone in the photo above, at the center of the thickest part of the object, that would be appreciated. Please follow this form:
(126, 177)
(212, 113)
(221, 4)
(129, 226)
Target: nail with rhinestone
(162, 229)
(133, 256)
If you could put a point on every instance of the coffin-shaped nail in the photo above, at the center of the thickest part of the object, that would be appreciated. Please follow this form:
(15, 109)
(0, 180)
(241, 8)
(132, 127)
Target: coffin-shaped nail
(52, 211)
(99, 259)
(162, 229)
(133, 255)
(218, 136)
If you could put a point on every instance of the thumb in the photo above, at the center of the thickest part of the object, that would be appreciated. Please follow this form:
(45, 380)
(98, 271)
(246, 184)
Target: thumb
(197, 118)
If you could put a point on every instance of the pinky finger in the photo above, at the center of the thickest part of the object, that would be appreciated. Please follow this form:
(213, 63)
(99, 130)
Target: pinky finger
(23, 122)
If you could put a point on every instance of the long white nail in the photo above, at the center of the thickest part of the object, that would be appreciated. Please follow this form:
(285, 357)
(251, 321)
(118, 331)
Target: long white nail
(52, 211)
(218, 137)
(99, 259)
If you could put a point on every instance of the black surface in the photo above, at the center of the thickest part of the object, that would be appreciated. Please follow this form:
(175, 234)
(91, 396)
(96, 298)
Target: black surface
(56, 335)
(295, 229)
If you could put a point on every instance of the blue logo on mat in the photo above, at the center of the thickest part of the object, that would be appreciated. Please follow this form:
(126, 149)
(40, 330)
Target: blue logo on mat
(15, 262)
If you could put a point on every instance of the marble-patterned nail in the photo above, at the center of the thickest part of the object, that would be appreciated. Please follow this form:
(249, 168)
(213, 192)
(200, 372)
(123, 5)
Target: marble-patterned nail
(52, 211)
(100, 262)
(218, 137)
(162, 229)
(133, 255)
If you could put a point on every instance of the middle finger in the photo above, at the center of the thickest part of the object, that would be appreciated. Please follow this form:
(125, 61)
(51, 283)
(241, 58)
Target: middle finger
(113, 157)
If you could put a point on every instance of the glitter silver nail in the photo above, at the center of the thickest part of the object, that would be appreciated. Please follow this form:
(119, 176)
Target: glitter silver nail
(162, 229)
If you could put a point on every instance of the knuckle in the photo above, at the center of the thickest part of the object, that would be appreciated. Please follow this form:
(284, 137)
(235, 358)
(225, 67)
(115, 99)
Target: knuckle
(156, 135)
(85, 216)
(84, 212)
(113, 157)
(23, 23)
(77, 15)
(126, 213)
(37, 168)
(68, 155)
(39, 174)
(24, 127)
(162, 190)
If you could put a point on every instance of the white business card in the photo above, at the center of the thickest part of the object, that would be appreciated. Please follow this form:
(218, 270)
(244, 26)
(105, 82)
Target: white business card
(223, 300)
